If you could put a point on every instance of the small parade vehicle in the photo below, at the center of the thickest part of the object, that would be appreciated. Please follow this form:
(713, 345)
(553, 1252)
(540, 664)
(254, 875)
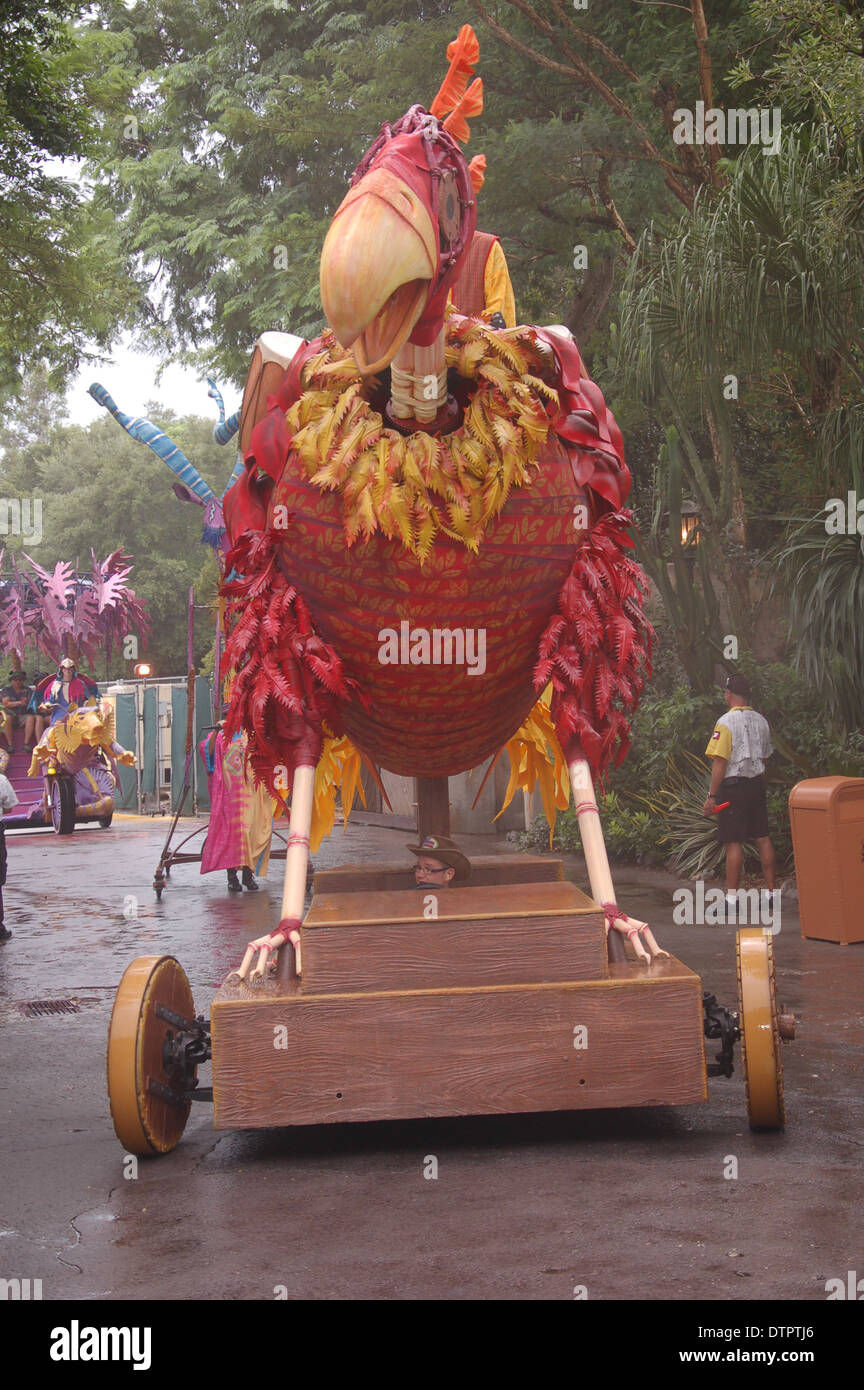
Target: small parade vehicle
(77, 760)
(79, 798)
(76, 763)
(505, 1002)
(60, 731)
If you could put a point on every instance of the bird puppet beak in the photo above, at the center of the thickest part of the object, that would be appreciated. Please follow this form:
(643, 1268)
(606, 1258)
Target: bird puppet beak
(377, 265)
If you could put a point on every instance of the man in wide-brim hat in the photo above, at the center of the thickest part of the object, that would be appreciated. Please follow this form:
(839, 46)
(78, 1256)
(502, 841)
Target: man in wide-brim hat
(440, 862)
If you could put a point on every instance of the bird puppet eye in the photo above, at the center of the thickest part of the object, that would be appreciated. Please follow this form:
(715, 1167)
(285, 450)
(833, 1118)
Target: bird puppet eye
(449, 208)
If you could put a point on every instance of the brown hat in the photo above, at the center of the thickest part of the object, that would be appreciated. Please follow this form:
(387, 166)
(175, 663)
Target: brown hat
(443, 848)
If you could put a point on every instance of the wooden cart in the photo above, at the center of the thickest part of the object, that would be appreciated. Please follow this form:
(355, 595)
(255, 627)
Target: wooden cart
(505, 1002)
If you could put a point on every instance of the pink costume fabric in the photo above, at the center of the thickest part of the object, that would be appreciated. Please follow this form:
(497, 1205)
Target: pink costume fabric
(241, 815)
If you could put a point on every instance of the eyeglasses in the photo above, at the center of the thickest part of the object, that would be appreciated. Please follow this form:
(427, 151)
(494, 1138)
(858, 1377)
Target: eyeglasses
(420, 869)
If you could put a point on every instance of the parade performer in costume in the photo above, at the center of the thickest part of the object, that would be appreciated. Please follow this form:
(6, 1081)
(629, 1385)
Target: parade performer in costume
(484, 289)
(479, 487)
(66, 690)
(241, 814)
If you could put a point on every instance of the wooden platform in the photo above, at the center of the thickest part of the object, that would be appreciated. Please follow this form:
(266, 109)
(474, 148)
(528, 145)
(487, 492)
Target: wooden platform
(503, 1003)
(281, 1057)
(485, 869)
(503, 934)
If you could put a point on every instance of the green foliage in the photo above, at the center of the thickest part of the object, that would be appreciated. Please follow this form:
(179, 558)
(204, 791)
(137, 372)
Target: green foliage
(633, 835)
(652, 809)
(228, 132)
(822, 577)
(807, 743)
(41, 109)
(693, 608)
(813, 65)
(62, 287)
(62, 293)
(666, 727)
(765, 280)
(102, 490)
(755, 282)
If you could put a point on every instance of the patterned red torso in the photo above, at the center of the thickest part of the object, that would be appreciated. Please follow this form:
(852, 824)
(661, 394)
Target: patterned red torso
(435, 720)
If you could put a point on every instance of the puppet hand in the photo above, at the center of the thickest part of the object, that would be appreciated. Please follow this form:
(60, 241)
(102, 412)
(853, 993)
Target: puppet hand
(263, 945)
(639, 934)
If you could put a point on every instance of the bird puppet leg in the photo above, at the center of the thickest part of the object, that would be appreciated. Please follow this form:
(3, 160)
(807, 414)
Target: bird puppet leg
(638, 933)
(294, 888)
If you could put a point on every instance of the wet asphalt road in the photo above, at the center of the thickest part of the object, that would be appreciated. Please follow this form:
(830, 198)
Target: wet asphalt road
(630, 1204)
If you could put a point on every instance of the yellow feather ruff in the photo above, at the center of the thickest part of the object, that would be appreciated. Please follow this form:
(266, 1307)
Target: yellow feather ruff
(536, 757)
(398, 484)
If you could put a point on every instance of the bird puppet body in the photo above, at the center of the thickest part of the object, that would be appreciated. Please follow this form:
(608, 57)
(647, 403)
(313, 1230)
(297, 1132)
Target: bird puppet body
(366, 522)
(519, 575)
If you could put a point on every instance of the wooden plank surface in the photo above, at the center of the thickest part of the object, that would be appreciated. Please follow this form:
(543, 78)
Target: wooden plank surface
(485, 869)
(283, 1058)
(460, 904)
(425, 954)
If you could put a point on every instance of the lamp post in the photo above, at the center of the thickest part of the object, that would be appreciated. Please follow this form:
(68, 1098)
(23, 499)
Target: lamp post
(690, 532)
(689, 523)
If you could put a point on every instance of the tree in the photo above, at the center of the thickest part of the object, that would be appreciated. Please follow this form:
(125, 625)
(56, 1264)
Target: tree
(61, 282)
(767, 285)
(822, 578)
(97, 489)
(229, 132)
(763, 286)
(228, 135)
(622, 80)
(40, 112)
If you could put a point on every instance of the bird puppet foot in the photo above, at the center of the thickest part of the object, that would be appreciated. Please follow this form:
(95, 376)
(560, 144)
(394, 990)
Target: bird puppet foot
(262, 946)
(639, 934)
(650, 941)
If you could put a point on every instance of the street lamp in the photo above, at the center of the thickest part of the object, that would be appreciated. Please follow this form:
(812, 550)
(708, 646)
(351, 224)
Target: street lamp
(690, 535)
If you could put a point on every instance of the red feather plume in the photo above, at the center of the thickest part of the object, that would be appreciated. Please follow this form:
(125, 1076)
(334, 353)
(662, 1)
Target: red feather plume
(597, 649)
(289, 683)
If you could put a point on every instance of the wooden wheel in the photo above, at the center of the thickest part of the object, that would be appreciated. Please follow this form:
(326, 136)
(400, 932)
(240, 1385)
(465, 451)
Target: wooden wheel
(760, 1030)
(149, 1116)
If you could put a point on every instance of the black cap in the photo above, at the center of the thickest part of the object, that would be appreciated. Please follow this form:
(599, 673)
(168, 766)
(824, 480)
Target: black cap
(738, 685)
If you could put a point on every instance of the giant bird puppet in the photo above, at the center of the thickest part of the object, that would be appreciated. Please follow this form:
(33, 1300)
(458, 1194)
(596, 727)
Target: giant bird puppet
(412, 471)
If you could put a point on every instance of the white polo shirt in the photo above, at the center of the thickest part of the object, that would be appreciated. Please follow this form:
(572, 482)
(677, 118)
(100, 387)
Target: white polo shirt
(743, 736)
(8, 798)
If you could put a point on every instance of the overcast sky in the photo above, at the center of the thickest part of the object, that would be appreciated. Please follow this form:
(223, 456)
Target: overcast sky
(131, 379)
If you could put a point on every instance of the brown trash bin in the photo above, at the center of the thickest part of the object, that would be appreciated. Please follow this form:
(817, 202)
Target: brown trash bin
(827, 815)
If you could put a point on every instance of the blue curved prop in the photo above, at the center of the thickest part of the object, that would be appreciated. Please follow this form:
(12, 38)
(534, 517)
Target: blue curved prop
(145, 432)
(239, 470)
(222, 433)
(226, 429)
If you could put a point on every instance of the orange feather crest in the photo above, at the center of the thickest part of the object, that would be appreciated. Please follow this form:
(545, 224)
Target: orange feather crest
(477, 170)
(464, 54)
(470, 105)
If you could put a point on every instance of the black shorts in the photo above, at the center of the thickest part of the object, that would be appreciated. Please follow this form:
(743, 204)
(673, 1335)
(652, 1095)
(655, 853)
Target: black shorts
(746, 818)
